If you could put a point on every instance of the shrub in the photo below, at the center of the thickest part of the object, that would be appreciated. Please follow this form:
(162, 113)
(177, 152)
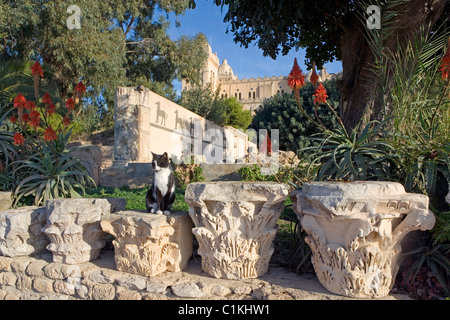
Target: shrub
(44, 167)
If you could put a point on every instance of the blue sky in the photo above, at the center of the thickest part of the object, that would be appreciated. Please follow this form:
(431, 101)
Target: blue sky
(208, 19)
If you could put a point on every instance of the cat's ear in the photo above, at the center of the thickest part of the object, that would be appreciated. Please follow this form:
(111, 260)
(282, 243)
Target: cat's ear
(153, 155)
(165, 155)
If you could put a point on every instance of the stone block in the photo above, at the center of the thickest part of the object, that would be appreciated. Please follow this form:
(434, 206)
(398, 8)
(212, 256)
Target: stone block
(63, 287)
(8, 278)
(73, 227)
(21, 231)
(36, 268)
(103, 292)
(148, 244)
(19, 264)
(128, 295)
(24, 282)
(355, 231)
(5, 263)
(43, 285)
(5, 200)
(235, 224)
(187, 290)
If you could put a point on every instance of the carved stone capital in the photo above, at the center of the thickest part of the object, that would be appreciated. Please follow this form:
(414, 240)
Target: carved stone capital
(355, 229)
(149, 244)
(73, 227)
(235, 224)
(20, 231)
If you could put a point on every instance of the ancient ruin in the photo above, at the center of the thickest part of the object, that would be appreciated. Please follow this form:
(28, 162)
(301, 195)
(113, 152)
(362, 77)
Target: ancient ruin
(20, 231)
(149, 244)
(355, 231)
(73, 228)
(235, 224)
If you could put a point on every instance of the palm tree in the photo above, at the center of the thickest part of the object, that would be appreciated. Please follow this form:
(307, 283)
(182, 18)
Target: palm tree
(15, 77)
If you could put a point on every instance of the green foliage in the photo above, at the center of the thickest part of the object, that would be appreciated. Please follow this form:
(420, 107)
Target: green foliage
(135, 197)
(224, 112)
(276, 27)
(50, 173)
(187, 173)
(119, 43)
(341, 156)
(418, 101)
(281, 25)
(433, 258)
(15, 77)
(199, 100)
(7, 150)
(441, 230)
(229, 112)
(282, 112)
(293, 176)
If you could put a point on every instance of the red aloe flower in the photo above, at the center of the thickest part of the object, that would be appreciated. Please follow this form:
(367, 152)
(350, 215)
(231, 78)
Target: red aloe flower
(80, 88)
(30, 105)
(25, 117)
(66, 121)
(18, 139)
(20, 102)
(36, 70)
(296, 79)
(13, 119)
(50, 134)
(314, 77)
(35, 119)
(46, 99)
(320, 95)
(51, 108)
(70, 104)
(444, 67)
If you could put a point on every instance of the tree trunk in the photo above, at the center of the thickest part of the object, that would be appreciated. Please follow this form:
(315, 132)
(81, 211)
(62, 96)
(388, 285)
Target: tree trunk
(360, 100)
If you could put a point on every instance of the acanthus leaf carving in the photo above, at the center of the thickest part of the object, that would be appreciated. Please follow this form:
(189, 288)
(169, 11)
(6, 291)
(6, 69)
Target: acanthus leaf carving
(235, 224)
(355, 250)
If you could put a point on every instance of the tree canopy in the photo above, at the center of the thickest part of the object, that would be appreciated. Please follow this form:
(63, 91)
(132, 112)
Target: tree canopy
(331, 30)
(224, 112)
(117, 43)
(282, 112)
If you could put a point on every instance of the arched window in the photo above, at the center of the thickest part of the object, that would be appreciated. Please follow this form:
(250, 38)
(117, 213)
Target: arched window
(254, 94)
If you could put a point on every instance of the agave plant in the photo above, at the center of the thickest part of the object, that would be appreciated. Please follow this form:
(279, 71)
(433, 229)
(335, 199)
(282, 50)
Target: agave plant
(343, 156)
(51, 173)
(7, 150)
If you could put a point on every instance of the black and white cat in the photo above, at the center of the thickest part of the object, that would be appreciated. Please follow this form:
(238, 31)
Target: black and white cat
(161, 194)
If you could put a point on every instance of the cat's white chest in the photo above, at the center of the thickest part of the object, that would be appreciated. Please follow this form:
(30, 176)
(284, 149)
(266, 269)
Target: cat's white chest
(162, 180)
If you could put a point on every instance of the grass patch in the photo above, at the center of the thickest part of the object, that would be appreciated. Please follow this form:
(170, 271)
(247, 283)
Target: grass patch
(135, 197)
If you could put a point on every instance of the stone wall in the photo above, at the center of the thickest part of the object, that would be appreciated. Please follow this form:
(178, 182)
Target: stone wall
(146, 122)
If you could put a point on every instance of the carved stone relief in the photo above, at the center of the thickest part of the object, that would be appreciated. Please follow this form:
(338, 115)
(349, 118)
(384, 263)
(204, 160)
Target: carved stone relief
(20, 231)
(355, 231)
(149, 244)
(73, 227)
(235, 224)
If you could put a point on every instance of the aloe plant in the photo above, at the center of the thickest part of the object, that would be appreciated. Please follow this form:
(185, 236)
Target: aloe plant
(51, 173)
(343, 156)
